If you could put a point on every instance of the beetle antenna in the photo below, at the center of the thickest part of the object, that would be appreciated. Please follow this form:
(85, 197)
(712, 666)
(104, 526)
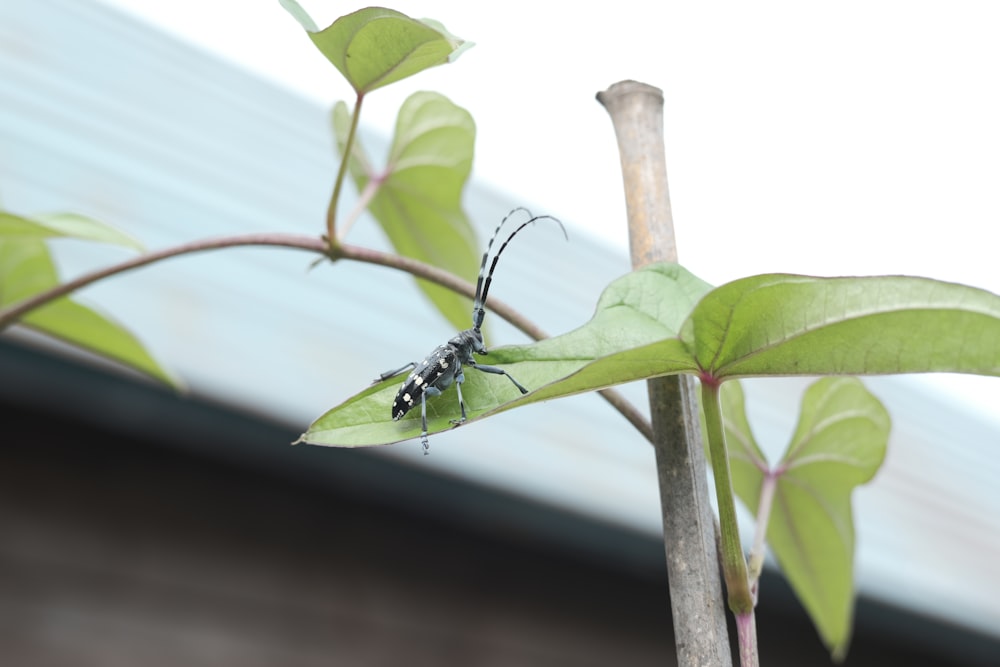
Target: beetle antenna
(477, 303)
(483, 283)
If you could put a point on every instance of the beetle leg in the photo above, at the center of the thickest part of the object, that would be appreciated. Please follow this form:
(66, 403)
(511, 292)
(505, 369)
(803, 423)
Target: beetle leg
(459, 379)
(428, 391)
(498, 371)
(389, 374)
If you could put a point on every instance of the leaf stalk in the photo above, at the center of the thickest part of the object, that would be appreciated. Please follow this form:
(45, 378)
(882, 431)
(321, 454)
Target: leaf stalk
(338, 185)
(734, 567)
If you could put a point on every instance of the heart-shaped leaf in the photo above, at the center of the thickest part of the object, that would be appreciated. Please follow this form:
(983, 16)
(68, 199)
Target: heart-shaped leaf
(839, 443)
(374, 47)
(27, 269)
(418, 201)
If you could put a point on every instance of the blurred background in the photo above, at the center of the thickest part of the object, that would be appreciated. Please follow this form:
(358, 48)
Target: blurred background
(141, 526)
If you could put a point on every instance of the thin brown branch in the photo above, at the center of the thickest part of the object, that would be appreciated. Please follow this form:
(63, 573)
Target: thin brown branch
(416, 268)
(12, 313)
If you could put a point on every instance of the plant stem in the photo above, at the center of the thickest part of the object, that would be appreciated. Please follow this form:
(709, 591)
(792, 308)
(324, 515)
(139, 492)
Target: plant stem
(746, 635)
(734, 566)
(364, 198)
(756, 559)
(338, 185)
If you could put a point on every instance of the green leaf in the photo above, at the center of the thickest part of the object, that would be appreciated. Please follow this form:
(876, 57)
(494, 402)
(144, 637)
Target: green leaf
(418, 201)
(26, 269)
(374, 47)
(641, 308)
(48, 225)
(839, 443)
(798, 325)
(766, 325)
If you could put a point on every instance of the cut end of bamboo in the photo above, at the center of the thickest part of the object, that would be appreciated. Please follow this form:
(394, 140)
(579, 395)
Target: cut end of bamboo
(636, 111)
(626, 88)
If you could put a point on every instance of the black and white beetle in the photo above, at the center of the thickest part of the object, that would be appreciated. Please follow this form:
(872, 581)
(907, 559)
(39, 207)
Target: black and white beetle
(443, 366)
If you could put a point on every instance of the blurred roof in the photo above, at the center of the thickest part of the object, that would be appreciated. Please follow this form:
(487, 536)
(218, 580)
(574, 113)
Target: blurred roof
(107, 117)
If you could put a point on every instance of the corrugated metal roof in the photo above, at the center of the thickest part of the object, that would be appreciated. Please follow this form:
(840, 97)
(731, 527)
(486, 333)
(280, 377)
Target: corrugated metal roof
(104, 116)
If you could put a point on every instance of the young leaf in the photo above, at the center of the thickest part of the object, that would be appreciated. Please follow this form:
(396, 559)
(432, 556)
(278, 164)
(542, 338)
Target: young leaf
(839, 443)
(643, 307)
(418, 201)
(374, 47)
(73, 225)
(797, 325)
(26, 269)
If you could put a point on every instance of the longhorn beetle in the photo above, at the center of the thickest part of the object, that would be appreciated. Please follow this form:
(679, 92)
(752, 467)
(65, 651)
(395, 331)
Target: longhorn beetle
(444, 365)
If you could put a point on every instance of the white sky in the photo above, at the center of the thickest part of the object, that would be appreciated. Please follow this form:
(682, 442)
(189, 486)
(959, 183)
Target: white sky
(829, 139)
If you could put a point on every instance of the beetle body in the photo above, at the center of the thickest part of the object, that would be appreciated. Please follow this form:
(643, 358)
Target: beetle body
(437, 371)
(444, 365)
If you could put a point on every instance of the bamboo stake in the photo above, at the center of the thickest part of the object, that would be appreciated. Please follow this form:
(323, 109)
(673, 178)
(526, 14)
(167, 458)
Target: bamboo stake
(689, 536)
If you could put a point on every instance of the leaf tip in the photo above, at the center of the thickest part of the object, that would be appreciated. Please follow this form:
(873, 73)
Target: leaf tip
(461, 48)
(458, 45)
(838, 653)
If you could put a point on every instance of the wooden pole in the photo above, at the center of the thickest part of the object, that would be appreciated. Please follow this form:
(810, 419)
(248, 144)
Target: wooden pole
(689, 535)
